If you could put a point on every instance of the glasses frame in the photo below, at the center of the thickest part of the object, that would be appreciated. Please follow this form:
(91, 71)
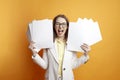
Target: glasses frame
(64, 24)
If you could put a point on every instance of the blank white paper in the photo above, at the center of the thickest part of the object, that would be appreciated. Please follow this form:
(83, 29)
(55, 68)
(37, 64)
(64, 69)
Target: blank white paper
(41, 32)
(83, 31)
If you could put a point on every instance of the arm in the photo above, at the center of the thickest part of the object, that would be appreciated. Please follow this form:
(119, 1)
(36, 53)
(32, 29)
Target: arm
(41, 61)
(76, 62)
(83, 59)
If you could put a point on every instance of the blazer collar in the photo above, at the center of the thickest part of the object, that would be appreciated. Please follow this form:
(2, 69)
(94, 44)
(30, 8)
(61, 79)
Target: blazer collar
(54, 52)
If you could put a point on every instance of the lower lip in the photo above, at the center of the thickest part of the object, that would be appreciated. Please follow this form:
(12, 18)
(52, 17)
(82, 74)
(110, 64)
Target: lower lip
(60, 33)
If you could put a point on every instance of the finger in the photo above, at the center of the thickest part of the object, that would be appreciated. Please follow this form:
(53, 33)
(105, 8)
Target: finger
(32, 42)
(83, 47)
(34, 51)
(85, 44)
(34, 48)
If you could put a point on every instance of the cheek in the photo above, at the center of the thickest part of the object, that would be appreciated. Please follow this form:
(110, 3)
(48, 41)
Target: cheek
(56, 29)
(65, 30)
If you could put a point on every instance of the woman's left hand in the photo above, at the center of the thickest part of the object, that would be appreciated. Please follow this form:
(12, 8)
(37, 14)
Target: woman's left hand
(86, 48)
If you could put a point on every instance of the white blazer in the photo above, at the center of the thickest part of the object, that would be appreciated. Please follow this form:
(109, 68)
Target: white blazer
(49, 61)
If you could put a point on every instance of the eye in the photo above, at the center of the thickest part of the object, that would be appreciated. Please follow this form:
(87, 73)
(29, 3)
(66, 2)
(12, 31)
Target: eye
(61, 24)
(64, 24)
(57, 24)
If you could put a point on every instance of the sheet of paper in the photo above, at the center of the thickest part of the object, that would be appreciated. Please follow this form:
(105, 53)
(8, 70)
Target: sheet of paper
(29, 31)
(83, 31)
(41, 32)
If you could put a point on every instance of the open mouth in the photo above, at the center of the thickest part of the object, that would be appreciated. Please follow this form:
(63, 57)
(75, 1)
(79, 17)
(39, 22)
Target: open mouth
(60, 31)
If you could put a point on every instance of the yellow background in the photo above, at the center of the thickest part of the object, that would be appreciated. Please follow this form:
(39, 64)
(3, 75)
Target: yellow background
(15, 57)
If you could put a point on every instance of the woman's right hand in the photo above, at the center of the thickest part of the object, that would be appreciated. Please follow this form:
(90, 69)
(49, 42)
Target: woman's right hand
(32, 48)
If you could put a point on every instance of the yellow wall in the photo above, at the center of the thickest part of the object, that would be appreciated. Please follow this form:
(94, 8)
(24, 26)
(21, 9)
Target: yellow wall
(15, 57)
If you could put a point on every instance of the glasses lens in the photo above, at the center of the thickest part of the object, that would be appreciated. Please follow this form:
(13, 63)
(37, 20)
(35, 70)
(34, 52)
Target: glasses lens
(62, 24)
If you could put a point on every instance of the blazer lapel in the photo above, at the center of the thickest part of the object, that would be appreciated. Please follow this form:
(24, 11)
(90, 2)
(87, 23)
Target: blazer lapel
(54, 52)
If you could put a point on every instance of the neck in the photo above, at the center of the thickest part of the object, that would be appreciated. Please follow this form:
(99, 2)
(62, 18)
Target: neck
(61, 38)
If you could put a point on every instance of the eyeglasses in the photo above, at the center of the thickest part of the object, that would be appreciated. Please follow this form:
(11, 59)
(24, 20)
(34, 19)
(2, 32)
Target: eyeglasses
(57, 24)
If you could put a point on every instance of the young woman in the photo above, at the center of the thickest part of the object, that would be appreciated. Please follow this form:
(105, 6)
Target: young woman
(58, 61)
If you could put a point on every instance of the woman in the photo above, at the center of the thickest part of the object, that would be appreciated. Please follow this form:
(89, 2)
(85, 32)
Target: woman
(58, 61)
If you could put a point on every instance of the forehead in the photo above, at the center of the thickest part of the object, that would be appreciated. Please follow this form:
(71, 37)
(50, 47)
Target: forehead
(61, 20)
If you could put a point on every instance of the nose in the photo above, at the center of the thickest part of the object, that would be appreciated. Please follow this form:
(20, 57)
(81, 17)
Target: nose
(60, 26)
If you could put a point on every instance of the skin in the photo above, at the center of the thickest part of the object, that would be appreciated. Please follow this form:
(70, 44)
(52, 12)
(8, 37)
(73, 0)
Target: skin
(60, 29)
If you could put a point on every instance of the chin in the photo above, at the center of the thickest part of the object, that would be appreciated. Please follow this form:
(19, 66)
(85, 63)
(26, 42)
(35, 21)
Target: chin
(60, 35)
